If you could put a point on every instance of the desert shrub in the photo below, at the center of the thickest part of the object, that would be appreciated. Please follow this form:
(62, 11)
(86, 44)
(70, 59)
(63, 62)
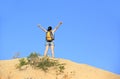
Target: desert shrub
(33, 55)
(61, 68)
(46, 62)
(33, 58)
(16, 55)
(22, 62)
(43, 63)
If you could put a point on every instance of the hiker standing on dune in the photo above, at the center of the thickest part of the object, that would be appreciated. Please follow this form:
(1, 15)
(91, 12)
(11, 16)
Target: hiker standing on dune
(49, 38)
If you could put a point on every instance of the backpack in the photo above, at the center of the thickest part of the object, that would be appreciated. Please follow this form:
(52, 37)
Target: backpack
(49, 36)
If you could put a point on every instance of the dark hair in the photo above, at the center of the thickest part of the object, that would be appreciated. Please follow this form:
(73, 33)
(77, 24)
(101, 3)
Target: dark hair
(49, 28)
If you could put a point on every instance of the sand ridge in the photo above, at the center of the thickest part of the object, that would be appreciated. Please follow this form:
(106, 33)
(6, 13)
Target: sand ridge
(72, 71)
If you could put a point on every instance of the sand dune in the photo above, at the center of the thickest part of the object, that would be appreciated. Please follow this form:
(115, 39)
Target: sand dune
(72, 71)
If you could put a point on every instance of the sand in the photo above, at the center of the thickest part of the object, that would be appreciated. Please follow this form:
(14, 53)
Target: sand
(72, 70)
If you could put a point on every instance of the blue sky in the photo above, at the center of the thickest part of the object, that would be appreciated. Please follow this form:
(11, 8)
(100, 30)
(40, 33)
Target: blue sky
(90, 33)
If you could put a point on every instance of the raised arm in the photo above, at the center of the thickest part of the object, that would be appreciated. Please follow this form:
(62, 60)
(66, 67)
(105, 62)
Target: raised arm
(57, 26)
(42, 28)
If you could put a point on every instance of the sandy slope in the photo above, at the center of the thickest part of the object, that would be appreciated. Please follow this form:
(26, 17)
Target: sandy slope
(72, 71)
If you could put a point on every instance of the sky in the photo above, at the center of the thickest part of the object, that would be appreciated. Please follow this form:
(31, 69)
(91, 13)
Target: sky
(90, 33)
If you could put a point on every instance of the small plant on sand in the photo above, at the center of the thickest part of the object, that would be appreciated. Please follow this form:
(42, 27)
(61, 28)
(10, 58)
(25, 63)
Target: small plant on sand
(61, 68)
(22, 62)
(33, 59)
(43, 63)
(16, 55)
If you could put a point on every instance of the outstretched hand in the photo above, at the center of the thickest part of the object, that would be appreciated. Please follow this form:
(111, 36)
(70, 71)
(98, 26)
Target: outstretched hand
(38, 25)
(60, 23)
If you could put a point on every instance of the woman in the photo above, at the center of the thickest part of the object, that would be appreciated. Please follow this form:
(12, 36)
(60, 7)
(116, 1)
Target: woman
(49, 38)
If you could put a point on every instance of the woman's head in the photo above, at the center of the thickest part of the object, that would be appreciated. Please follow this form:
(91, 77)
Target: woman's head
(49, 28)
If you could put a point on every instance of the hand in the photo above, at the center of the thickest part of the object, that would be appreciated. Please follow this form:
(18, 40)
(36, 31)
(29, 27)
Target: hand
(60, 23)
(38, 25)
